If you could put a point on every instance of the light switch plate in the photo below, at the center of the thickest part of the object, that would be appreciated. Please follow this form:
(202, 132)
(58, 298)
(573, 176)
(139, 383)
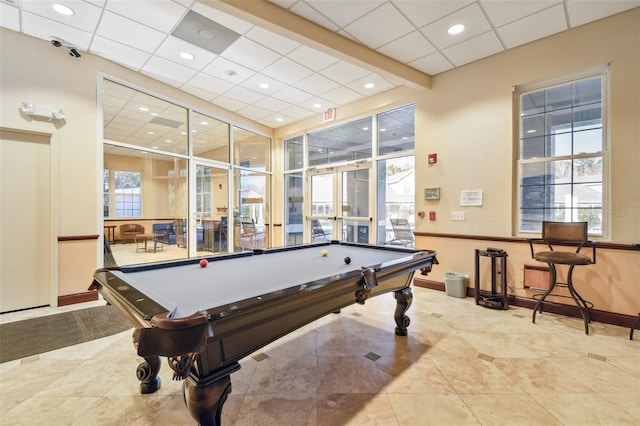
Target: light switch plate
(457, 215)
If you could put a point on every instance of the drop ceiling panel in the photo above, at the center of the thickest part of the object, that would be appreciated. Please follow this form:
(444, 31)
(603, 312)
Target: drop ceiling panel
(342, 95)
(408, 48)
(171, 48)
(501, 12)
(343, 13)
(432, 64)
(128, 32)
(254, 83)
(292, 95)
(312, 58)
(303, 9)
(161, 15)
(316, 85)
(533, 27)
(250, 54)
(44, 28)
(344, 72)
(86, 16)
(388, 21)
(9, 17)
(210, 83)
(473, 49)
(581, 12)
(281, 45)
(167, 69)
(421, 13)
(471, 16)
(287, 71)
(138, 35)
(228, 71)
(118, 52)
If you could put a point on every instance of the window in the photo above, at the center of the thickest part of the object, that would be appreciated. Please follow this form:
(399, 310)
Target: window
(396, 130)
(341, 143)
(105, 193)
(561, 154)
(127, 193)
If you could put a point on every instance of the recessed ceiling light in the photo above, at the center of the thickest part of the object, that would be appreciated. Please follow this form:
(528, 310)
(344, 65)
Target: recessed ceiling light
(186, 55)
(279, 119)
(204, 123)
(369, 86)
(145, 109)
(317, 105)
(264, 85)
(383, 130)
(150, 133)
(456, 29)
(365, 128)
(154, 114)
(155, 147)
(168, 141)
(62, 9)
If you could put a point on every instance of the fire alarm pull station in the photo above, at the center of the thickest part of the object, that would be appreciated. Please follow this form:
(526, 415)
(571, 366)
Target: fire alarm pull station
(432, 215)
(432, 158)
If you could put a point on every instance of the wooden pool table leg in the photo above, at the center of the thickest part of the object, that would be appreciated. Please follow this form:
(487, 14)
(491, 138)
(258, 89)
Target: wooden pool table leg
(404, 298)
(147, 373)
(205, 396)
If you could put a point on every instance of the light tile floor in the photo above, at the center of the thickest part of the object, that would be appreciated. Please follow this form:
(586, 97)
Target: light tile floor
(460, 365)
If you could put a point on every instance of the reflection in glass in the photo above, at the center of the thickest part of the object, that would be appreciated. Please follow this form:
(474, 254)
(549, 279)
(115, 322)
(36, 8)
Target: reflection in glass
(251, 150)
(293, 191)
(396, 195)
(293, 153)
(345, 142)
(210, 138)
(212, 212)
(162, 200)
(251, 208)
(396, 130)
(135, 118)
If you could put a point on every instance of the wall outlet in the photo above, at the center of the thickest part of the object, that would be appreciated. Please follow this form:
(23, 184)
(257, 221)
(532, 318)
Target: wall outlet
(457, 215)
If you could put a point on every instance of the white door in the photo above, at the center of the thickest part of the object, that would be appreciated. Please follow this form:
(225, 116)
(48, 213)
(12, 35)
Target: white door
(24, 220)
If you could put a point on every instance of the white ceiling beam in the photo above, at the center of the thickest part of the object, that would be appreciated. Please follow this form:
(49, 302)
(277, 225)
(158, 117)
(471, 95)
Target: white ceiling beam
(280, 21)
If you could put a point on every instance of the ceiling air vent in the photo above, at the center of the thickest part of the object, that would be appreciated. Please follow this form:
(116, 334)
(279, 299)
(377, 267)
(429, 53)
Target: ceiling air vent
(166, 122)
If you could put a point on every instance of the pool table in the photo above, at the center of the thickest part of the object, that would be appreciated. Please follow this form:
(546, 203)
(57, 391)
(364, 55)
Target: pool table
(205, 319)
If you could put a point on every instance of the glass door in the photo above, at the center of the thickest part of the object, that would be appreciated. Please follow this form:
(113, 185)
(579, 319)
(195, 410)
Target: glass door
(209, 228)
(340, 204)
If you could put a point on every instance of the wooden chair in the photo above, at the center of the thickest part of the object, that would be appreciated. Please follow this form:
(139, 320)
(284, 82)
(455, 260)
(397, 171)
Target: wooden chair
(402, 233)
(554, 236)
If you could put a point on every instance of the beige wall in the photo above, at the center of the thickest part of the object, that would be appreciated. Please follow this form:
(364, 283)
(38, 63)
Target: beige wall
(466, 118)
(31, 70)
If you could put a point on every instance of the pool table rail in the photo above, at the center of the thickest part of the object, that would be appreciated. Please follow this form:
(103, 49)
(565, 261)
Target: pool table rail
(206, 346)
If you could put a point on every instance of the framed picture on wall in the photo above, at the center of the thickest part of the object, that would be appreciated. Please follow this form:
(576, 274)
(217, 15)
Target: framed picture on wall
(432, 193)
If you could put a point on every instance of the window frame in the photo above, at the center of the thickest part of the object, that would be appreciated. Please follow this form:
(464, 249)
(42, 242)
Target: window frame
(111, 192)
(601, 71)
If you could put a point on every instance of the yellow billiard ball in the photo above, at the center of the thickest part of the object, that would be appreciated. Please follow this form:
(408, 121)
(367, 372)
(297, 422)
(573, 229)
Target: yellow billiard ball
(324, 252)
